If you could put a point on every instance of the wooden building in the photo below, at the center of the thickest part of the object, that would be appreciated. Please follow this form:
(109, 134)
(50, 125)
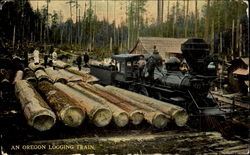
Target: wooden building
(167, 47)
(238, 75)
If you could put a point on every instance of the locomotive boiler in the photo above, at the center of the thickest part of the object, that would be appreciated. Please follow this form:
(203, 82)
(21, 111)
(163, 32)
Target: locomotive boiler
(188, 89)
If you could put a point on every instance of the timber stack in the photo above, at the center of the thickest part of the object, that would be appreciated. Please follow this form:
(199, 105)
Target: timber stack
(178, 114)
(66, 108)
(98, 114)
(120, 117)
(135, 114)
(152, 115)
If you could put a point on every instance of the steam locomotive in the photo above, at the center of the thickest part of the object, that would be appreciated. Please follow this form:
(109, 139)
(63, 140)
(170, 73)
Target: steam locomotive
(188, 89)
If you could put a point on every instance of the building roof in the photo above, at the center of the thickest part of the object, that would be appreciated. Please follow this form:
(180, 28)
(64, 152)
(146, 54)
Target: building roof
(163, 45)
(241, 71)
(245, 60)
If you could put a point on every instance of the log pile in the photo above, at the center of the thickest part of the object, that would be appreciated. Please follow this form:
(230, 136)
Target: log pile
(152, 115)
(120, 117)
(176, 113)
(98, 114)
(66, 108)
(135, 114)
(37, 112)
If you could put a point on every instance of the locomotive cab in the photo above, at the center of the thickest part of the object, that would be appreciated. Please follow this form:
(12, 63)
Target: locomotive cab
(126, 67)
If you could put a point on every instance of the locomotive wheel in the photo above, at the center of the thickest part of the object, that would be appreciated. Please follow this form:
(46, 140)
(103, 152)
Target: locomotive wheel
(142, 90)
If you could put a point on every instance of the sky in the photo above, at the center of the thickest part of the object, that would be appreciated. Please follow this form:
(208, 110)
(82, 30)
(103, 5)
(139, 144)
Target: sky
(117, 8)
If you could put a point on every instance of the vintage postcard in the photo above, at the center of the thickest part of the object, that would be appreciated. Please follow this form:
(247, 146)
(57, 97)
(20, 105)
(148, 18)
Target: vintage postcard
(124, 77)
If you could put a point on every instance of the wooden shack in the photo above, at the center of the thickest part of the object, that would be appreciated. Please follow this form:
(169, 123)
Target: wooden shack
(167, 47)
(238, 75)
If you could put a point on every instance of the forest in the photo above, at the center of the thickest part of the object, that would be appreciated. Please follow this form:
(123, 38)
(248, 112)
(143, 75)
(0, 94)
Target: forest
(216, 19)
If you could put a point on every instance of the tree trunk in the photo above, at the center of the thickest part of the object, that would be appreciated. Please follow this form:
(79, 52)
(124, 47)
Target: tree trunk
(41, 76)
(135, 115)
(98, 114)
(18, 76)
(34, 67)
(177, 113)
(186, 19)
(67, 109)
(86, 77)
(120, 117)
(36, 111)
(55, 76)
(71, 77)
(196, 19)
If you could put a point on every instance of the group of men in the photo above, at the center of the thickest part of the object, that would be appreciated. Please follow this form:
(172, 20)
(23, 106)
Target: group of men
(36, 56)
(85, 59)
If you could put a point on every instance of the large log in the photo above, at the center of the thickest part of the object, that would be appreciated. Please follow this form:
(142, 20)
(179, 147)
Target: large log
(67, 109)
(60, 64)
(18, 76)
(120, 117)
(30, 76)
(152, 115)
(135, 114)
(34, 67)
(99, 114)
(55, 76)
(36, 111)
(70, 76)
(178, 114)
(41, 75)
(86, 77)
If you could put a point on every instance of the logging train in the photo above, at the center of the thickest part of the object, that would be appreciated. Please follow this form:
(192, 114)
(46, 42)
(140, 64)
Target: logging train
(188, 89)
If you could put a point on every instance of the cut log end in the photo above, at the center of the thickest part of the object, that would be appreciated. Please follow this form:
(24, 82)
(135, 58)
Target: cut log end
(43, 122)
(72, 116)
(121, 119)
(102, 117)
(180, 117)
(136, 117)
(160, 120)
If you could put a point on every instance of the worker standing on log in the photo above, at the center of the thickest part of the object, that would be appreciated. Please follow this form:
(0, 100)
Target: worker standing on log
(79, 62)
(36, 56)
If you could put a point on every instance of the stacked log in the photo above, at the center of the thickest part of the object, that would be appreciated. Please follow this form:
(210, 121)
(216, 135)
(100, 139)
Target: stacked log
(35, 67)
(98, 114)
(152, 115)
(67, 109)
(55, 76)
(135, 114)
(177, 113)
(85, 77)
(60, 64)
(18, 76)
(30, 76)
(36, 111)
(120, 117)
(70, 76)
(41, 75)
